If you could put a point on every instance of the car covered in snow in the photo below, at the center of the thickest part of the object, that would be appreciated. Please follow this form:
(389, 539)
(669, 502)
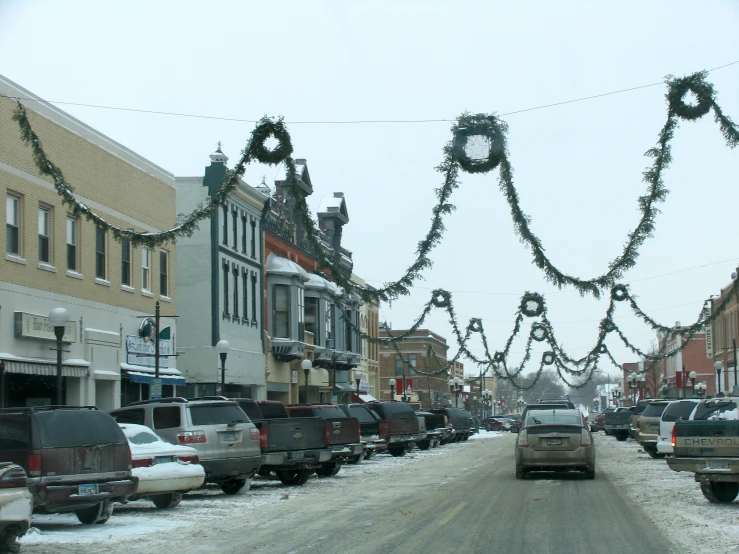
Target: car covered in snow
(16, 504)
(165, 471)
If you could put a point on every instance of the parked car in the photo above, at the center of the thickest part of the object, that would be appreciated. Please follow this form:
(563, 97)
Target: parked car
(498, 424)
(398, 426)
(600, 421)
(369, 426)
(647, 427)
(77, 459)
(16, 505)
(437, 429)
(343, 434)
(292, 448)
(226, 441)
(617, 422)
(165, 471)
(707, 444)
(461, 421)
(636, 412)
(554, 440)
(553, 405)
(678, 409)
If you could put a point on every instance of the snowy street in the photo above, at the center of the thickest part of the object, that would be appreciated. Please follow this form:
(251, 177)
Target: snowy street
(461, 497)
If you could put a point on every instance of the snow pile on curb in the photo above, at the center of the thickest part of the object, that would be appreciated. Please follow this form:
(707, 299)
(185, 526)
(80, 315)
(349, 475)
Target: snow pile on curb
(671, 500)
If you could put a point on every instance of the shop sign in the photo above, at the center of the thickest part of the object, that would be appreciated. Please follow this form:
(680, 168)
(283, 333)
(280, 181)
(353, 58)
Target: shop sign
(140, 351)
(294, 377)
(35, 326)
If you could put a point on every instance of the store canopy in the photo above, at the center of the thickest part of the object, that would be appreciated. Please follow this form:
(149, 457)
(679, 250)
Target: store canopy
(136, 377)
(345, 387)
(41, 366)
(367, 398)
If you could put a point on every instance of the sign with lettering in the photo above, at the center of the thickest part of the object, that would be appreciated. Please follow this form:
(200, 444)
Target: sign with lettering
(155, 390)
(459, 370)
(709, 332)
(141, 352)
(294, 377)
(35, 326)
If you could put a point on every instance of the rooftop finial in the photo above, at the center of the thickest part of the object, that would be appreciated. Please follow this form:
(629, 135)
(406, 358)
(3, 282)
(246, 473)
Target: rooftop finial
(219, 146)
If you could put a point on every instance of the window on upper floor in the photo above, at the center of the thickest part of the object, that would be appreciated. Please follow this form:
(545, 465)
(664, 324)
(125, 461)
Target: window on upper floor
(235, 218)
(235, 272)
(72, 240)
(413, 364)
(243, 234)
(225, 288)
(163, 273)
(245, 292)
(44, 234)
(225, 224)
(13, 225)
(301, 314)
(312, 318)
(101, 252)
(126, 262)
(348, 331)
(254, 296)
(398, 365)
(253, 238)
(145, 268)
(281, 311)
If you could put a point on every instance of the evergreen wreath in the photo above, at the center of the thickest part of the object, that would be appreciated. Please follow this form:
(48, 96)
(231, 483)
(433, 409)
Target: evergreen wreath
(491, 129)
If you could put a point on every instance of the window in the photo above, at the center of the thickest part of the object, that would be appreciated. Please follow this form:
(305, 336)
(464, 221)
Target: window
(329, 326)
(136, 416)
(163, 273)
(72, 234)
(225, 224)
(145, 267)
(281, 311)
(253, 238)
(166, 417)
(412, 362)
(44, 233)
(225, 288)
(311, 318)
(254, 297)
(235, 215)
(126, 262)
(101, 270)
(245, 292)
(243, 236)
(348, 331)
(301, 314)
(398, 365)
(235, 272)
(13, 225)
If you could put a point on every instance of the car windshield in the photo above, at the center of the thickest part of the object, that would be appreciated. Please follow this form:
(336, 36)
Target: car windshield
(214, 414)
(72, 428)
(547, 418)
(141, 437)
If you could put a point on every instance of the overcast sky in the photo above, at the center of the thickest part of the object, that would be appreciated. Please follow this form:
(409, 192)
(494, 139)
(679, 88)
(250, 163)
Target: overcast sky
(577, 166)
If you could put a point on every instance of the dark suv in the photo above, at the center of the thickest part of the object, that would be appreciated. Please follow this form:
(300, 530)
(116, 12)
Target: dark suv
(77, 458)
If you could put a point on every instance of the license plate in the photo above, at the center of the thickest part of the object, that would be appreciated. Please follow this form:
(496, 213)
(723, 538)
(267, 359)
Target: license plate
(298, 455)
(87, 490)
(338, 447)
(229, 436)
(718, 464)
(370, 443)
(406, 437)
(654, 425)
(618, 425)
(554, 442)
(162, 459)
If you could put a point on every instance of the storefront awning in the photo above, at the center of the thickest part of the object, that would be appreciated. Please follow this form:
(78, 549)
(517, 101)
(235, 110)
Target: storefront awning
(345, 387)
(40, 366)
(367, 398)
(136, 377)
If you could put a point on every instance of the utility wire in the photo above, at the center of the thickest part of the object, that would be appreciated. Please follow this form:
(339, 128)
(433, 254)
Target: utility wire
(350, 122)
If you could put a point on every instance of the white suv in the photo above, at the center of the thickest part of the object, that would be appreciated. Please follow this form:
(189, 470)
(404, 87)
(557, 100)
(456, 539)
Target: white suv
(16, 504)
(679, 409)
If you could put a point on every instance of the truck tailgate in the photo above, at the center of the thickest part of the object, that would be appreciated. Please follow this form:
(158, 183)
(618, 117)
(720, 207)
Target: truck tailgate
(342, 430)
(302, 433)
(706, 438)
(403, 426)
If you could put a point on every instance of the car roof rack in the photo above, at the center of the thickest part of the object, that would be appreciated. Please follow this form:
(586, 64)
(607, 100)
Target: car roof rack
(167, 400)
(212, 398)
(46, 408)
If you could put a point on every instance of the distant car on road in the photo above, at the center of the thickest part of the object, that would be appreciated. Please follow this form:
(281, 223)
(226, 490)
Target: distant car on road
(166, 471)
(498, 424)
(16, 504)
(555, 440)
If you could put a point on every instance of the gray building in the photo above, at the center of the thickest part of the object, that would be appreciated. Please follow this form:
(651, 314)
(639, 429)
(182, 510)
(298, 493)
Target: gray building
(220, 286)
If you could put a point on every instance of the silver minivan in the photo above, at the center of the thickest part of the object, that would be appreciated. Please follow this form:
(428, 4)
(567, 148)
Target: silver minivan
(225, 438)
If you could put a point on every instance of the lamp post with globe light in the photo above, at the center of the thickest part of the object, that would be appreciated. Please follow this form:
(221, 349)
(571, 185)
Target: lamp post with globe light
(59, 317)
(306, 365)
(222, 348)
(718, 366)
(692, 376)
(391, 382)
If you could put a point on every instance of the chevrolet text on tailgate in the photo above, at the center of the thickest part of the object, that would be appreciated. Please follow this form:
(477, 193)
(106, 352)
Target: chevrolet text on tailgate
(292, 448)
(707, 444)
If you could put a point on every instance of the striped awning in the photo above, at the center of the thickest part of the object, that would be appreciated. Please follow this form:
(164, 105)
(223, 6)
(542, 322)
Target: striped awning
(30, 368)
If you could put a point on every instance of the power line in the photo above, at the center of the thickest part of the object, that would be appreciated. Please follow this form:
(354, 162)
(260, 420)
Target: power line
(348, 122)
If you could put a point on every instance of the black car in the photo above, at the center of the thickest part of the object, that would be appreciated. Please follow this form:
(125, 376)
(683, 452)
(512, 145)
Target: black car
(461, 421)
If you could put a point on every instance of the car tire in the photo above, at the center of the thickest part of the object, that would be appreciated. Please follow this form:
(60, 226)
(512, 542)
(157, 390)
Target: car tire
(621, 437)
(589, 473)
(717, 492)
(99, 513)
(264, 472)
(397, 452)
(520, 473)
(233, 486)
(359, 458)
(653, 453)
(370, 454)
(9, 543)
(295, 477)
(465, 437)
(328, 469)
(166, 501)
(424, 445)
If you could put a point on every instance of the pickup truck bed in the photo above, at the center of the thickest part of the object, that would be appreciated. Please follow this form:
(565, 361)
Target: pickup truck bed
(617, 424)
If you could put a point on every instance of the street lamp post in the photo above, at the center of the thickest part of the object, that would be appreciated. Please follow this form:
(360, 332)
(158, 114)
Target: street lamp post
(596, 402)
(642, 385)
(692, 376)
(358, 380)
(700, 389)
(59, 317)
(633, 378)
(222, 348)
(718, 366)
(455, 384)
(391, 382)
(306, 365)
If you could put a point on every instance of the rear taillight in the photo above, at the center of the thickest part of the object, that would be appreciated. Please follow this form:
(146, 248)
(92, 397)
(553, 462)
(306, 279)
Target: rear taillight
(384, 429)
(673, 439)
(585, 440)
(254, 434)
(263, 438)
(146, 462)
(189, 459)
(523, 439)
(191, 437)
(130, 458)
(327, 434)
(34, 464)
(359, 433)
(14, 478)
(638, 424)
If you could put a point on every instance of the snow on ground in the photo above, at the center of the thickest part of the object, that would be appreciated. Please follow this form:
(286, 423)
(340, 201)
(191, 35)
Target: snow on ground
(671, 500)
(141, 518)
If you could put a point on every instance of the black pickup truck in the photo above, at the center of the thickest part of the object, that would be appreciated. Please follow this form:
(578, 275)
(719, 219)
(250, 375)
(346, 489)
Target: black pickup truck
(399, 426)
(343, 435)
(461, 421)
(617, 422)
(292, 448)
(707, 444)
(438, 430)
(369, 426)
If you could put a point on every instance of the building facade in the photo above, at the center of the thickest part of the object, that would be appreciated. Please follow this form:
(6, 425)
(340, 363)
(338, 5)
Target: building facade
(676, 369)
(429, 391)
(54, 259)
(723, 339)
(220, 274)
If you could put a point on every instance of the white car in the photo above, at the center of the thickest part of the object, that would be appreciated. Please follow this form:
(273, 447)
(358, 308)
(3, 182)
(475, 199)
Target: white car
(165, 471)
(16, 504)
(679, 409)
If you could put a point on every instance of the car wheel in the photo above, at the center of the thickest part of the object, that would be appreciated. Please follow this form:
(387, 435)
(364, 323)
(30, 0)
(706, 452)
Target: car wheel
(653, 453)
(435, 443)
(264, 472)
(329, 469)
(520, 473)
(370, 454)
(9, 543)
(424, 445)
(621, 437)
(397, 452)
(99, 513)
(165, 501)
(357, 459)
(295, 477)
(465, 437)
(719, 493)
(232, 486)
(590, 473)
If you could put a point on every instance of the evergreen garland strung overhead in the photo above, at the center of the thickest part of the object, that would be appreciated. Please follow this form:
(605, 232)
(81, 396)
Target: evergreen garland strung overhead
(492, 131)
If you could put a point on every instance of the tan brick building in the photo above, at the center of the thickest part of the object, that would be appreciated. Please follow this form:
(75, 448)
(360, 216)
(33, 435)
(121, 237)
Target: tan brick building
(54, 259)
(428, 391)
